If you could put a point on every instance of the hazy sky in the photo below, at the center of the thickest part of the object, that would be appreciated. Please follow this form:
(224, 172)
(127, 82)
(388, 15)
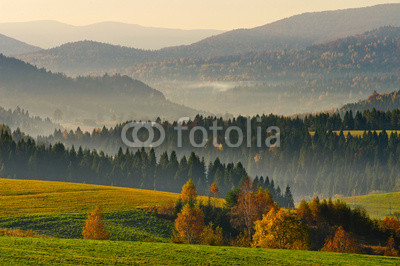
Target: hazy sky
(185, 14)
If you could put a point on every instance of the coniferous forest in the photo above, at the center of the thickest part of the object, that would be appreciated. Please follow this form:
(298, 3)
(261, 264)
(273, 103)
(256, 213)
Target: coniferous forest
(315, 154)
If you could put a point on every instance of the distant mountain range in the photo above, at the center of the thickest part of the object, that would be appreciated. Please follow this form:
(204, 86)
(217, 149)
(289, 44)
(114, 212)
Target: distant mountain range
(297, 32)
(10, 46)
(374, 51)
(49, 34)
(83, 99)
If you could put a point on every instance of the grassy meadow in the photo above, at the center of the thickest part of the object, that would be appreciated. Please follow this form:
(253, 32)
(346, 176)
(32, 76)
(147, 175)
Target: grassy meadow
(85, 252)
(135, 225)
(58, 211)
(25, 197)
(376, 205)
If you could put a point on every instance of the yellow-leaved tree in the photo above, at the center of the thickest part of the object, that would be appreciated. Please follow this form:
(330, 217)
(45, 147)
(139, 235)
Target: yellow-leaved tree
(189, 225)
(281, 229)
(189, 193)
(95, 228)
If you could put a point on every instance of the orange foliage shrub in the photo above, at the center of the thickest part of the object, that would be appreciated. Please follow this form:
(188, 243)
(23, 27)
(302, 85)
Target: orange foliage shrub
(341, 242)
(95, 228)
(189, 225)
(281, 229)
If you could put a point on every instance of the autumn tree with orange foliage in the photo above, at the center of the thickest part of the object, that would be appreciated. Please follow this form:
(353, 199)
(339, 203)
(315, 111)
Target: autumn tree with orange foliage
(189, 193)
(189, 225)
(250, 207)
(341, 242)
(392, 225)
(214, 191)
(95, 228)
(281, 229)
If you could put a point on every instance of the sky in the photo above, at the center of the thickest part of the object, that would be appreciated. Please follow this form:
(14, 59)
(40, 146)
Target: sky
(183, 14)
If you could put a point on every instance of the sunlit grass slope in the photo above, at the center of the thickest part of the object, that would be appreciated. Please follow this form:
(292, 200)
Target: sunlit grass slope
(73, 252)
(23, 197)
(377, 205)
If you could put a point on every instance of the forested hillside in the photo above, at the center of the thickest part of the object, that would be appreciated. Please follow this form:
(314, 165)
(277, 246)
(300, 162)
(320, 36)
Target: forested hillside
(383, 102)
(87, 57)
(100, 98)
(10, 46)
(373, 51)
(323, 162)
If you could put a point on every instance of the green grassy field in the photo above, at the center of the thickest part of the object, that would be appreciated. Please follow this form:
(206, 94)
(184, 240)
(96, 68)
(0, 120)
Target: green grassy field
(23, 197)
(376, 205)
(61, 251)
(135, 225)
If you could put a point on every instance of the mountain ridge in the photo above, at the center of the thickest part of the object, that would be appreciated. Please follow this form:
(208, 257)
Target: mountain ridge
(280, 35)
(117, 33)
(11, 46)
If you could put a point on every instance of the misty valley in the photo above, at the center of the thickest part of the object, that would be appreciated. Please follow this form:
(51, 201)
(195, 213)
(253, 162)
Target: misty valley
(277, 144)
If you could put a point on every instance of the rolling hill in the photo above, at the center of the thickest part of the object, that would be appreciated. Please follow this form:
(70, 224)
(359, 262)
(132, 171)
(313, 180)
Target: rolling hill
(88, 57)
(104, 98)
(132, 35)
(28, 197)
(10, 46)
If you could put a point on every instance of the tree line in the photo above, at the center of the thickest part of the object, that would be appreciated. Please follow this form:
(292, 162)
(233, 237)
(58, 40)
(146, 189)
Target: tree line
(314, 157)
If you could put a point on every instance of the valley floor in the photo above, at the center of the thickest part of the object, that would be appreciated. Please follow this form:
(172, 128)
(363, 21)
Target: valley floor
(49, 251)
